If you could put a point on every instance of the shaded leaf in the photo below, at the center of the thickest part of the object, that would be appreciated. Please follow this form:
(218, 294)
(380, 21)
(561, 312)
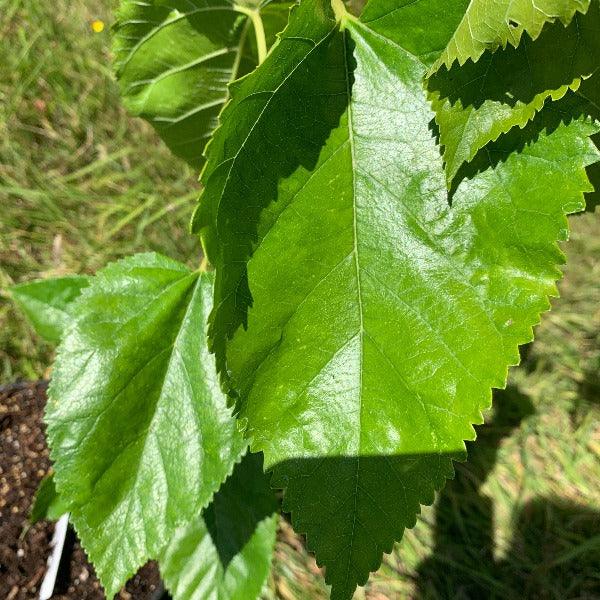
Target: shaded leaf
(274, 15)
(255, 146)
(174, 61)
(139, 430)
(478, 102)
(431, 24)
(47, 504)
(491, 25)
(45, 303)
(226, 554)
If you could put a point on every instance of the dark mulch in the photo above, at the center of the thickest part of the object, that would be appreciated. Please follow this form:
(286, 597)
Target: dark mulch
(24, 549)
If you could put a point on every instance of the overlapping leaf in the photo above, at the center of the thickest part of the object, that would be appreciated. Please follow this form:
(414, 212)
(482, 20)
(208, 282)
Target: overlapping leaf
(45, 303)
(432, 24)
(139, 430)
(491, 25)
(477, 102)
(277, 119)
(174, 60)
(226, 555)
(47, 504)
(381, 316)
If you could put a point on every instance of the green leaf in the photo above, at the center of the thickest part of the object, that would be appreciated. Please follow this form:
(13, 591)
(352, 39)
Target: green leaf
(245, 157)
(274, 15)
(293, 86)
(491, 25)
(227, 554)
(174, 61)
(478, 102)
(47, 504)
(45, 303)
(139, 430)
(381, 315)
(432, 23)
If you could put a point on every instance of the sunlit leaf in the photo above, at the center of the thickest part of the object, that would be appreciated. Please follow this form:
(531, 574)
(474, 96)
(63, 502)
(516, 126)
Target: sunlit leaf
(378, 311)
(139, 430)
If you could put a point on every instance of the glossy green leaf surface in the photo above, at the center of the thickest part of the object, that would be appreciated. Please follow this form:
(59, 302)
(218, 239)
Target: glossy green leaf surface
(226, 555)
(478, 102)
(47, 504)
(382, 310)
(175, 59)
(140, 433)
(45, 303)
(489, 25)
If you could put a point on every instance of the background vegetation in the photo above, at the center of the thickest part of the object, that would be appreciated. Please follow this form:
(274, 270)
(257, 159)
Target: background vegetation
(82, 184)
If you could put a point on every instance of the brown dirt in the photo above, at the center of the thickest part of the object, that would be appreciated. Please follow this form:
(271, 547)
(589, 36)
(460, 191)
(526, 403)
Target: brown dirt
(24, 549)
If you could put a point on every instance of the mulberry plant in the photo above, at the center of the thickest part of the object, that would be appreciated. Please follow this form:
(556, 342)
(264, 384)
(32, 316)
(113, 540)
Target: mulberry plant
(383, 193)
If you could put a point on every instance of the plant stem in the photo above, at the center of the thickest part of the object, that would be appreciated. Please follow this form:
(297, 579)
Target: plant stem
(238, 58)
(204, 264)
(259, 30)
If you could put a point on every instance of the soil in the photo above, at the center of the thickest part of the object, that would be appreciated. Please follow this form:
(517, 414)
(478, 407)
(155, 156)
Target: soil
(24, 549)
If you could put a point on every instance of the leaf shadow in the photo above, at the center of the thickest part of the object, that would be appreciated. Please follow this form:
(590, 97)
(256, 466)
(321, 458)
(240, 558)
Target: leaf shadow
(589, 388)
(512, 76)
(574, 106)
(302, 116)
(556, 544)
(592, 199)
(374, 498)
(553, 540)
(587, 398)
(518, 74)
(240, 505)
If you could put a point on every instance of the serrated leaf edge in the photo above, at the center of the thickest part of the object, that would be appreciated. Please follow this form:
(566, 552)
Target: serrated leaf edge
(485, 405)
(534, 107)
(232, 88)
(77, 519)
(498, 45)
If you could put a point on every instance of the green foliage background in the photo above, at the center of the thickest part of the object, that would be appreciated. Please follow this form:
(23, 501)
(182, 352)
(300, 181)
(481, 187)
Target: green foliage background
(82, 184)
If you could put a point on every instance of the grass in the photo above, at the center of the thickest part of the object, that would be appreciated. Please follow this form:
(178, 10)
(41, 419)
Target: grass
(82, 184)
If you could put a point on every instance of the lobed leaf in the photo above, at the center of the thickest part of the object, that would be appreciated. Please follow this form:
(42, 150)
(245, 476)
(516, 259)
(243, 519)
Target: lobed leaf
(381, 315)
(140, 433)
(45, 303)
(226, 555)
(174, 61)
(491, 25)
(478, 102)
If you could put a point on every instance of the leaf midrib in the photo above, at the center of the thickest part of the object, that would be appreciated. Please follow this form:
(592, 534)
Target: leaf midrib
(170, 348)
(360, 304)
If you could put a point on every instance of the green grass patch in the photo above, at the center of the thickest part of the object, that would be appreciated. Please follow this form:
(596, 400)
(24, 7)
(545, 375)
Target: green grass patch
(80, 182)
